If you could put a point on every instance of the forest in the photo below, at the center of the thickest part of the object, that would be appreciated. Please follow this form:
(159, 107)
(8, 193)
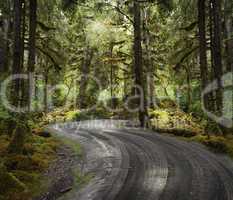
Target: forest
(162, 65)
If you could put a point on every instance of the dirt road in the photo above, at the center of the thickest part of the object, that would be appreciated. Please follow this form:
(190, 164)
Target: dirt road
(135, 164)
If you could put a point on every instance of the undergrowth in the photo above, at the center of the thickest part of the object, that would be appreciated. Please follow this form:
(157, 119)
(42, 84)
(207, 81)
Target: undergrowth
(178, 123)
(66, 115)
(175, 121)
(21, 174)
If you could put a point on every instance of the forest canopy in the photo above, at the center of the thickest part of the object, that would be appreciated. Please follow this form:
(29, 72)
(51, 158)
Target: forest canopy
(83, 53)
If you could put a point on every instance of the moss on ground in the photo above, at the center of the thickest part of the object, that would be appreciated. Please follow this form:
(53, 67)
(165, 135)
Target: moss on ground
(217, 144)
(175, 121)
(66, 115)
(21, 174)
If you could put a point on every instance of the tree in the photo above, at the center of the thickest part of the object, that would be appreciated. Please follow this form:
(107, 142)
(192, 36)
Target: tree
(5, 37)
(228, 29)
(16, 68)
(217, 51)
(203, 47)
(32, 44)
(85, 69)
(138, 66)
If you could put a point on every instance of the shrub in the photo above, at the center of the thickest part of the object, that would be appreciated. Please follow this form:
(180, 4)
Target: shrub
(175, 121)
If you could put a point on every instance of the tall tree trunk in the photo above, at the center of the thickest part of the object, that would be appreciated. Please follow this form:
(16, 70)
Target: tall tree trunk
(217, 55)
(148, 62)
(189, 87)
(111, 74)
(46, 80)
(17, 141)
(138, 66)
(16, 68)
(228, 19)
(203, 47)
(85, 68)
(2, 49)
(212, 101)
(5, 44)
(23, 89)
(32, 45)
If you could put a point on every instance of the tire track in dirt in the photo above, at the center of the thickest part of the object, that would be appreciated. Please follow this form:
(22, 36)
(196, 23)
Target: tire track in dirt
(134, 164)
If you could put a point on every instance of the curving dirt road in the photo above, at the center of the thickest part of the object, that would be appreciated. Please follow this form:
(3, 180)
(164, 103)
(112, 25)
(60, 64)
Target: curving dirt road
(135, 164)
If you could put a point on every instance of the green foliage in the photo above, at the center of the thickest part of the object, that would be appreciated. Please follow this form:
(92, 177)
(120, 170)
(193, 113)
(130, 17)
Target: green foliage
(22, 172)
(79, 116)
(167, 103)
(217, 144)
(7, 122)
(18, 138)
(175, 121)
(10, 185)
(66, 114)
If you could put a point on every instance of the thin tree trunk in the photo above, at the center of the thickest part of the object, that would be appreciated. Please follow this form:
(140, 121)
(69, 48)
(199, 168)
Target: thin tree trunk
(4, 47)
(17, 141)
(212, 102)
(217, 55)
(46, 80)
(23, 89)
(16, 68)
(5, 44)
(189, 87)
(111, 74)
(203, 47)
(228, 18)
(32, 45)
(148, 63)
(138, 66)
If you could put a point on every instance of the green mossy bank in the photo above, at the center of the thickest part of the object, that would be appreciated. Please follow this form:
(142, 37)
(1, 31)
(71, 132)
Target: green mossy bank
(21, 175)
(175, 122)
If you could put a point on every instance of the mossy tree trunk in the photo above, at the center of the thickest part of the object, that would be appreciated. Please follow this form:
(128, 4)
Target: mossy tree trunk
(32, 45)
(85, 70)
(17, 142)
(217, 52)
(16, 68)
(203, 47)
(138, 64)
